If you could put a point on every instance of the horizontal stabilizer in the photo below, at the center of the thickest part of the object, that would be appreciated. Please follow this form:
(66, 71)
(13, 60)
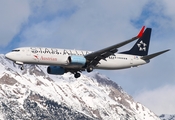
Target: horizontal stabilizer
(148, 57)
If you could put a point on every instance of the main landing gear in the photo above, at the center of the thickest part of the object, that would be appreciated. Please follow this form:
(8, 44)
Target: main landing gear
(77, 75)
(90, 69)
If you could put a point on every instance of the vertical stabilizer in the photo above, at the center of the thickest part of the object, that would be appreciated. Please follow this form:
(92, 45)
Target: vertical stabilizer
(141, 47)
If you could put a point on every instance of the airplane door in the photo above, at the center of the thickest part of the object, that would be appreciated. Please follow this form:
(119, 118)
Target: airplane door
(28, 52)
(36, 57)
(32, 56)
(131, 61)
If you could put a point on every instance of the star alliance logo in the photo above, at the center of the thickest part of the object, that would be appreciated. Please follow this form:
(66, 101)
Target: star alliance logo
(142, 46)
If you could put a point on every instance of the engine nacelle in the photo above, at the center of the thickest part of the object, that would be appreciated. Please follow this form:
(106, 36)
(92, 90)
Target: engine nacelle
(77, 60)
(55, 70)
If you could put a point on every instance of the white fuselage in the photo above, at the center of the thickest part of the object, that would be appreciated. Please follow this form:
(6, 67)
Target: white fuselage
(59, 57)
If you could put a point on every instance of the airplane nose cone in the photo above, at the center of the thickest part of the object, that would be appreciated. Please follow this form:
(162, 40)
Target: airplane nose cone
(8, 55)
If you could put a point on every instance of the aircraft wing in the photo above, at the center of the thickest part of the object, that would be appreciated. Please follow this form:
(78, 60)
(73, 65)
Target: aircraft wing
(94, 57)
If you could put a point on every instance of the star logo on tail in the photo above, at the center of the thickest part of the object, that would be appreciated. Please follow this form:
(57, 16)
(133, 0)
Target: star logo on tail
(142, 46)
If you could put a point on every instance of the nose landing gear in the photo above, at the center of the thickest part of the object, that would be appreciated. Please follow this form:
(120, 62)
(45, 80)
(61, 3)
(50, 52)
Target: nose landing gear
(21, 64)
(22, 67)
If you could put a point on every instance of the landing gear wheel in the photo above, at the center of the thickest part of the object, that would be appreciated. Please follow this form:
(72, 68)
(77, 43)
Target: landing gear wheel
(89, 69)
(22, 67)
(77, 75)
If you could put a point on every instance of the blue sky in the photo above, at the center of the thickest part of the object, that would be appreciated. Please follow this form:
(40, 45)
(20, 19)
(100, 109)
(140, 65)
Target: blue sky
(95, 24)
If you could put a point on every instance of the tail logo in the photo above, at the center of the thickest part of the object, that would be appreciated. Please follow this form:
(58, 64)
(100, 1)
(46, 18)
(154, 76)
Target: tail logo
(142, 46)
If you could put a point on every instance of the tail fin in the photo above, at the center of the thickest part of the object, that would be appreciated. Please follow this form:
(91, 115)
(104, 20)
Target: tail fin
(141, 47)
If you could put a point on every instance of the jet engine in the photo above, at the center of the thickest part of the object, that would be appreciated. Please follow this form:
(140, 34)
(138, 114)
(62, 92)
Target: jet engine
(77, 60)
(55, 70)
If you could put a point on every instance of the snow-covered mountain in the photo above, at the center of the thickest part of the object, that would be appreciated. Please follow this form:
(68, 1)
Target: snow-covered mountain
(33, 94)
(167, 117)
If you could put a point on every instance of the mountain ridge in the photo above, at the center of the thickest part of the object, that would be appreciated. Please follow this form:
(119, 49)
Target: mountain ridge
(41, 96)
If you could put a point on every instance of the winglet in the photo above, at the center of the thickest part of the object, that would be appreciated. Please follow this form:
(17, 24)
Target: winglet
(141, 32)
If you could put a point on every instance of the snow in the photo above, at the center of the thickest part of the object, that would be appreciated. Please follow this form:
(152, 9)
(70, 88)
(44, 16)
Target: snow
(84, 94)
(167, 117)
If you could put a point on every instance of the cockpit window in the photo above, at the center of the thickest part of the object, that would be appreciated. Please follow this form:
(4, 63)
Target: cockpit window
(15, 50)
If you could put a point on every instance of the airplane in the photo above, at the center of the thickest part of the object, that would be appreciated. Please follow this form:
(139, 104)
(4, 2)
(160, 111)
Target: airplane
(61, 61)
